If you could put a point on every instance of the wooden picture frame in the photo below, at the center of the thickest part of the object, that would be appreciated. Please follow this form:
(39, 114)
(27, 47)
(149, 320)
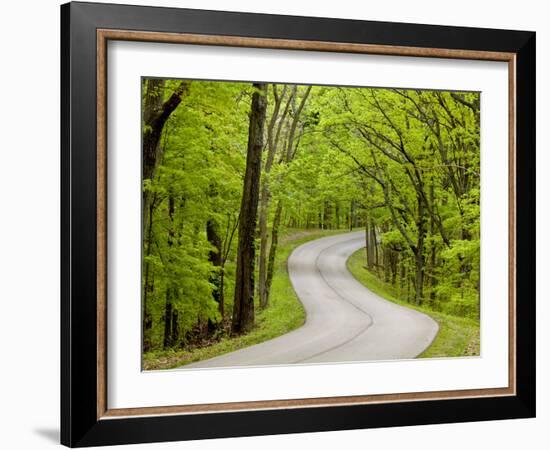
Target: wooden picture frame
(86, 418)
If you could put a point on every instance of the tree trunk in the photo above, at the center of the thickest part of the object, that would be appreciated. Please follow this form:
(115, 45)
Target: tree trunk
(433, 261)
(264, 210)
(408, 287)
(371, 243)
(374, 243)
(327, 213)
(175, 327)
(419, 278)
(419, 254)
(288, 154)
(272, 145)
(243, 306)
(215, 257)
(155, 115)
(351, 215)
(273, 248)
(386, 258)
(147, 318)
(168, 319)
(394, 260)
(222, 292)
(170, 315)
(402, 275)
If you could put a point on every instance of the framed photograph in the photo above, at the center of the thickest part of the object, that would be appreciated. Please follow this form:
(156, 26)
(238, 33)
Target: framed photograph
(276, 224)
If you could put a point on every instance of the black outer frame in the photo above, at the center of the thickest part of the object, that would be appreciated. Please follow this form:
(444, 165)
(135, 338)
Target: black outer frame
(79, 424)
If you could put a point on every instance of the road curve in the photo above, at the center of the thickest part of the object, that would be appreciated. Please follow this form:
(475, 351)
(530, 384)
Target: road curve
(345, 321)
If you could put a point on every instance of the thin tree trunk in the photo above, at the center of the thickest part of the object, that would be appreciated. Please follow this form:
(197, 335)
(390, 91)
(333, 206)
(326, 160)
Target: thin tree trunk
(147, 318)
(402, 275)
(221, 305)
(273, 248)
(226, 249)
(170, 291)
(243, 306)
(272, 144)
(419, 278)
(433, 280)
(215, 257)
(175, 327)
(264, 209)
(327, 215)
(351, 215)
(374, 244)
(371, 244)
(419, 254)
(168, 319)
(387, 263)
(394, 259)
(288, 153)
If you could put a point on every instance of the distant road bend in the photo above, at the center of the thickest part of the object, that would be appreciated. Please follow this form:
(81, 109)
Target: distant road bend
(345, 321)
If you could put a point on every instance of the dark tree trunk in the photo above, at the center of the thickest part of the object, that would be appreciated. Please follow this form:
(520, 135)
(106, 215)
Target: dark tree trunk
(154, 89)
(168, 319)
(374, 243)
(371, 244)
(175, 327)
(408, 287)
(351, 215)
(243, 306)
(215, 257)
(433, 261)
(386, 256)
(222, 292)
(273, 248)
(402, 275)
(147, 318)
(394, 259)
(419, 254)
(155, 114)
(419, 278)
(327, 215)
(264, 209)
(169, 313)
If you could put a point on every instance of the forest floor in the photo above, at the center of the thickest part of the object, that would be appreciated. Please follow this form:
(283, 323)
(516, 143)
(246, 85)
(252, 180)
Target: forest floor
(284, 313)
(458, 336)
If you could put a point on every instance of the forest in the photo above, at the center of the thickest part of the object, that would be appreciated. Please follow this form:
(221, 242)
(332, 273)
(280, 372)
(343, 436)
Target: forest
(237, 173)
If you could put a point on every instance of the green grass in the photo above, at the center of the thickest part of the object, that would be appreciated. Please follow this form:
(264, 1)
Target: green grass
(284, 313)
(458, 336)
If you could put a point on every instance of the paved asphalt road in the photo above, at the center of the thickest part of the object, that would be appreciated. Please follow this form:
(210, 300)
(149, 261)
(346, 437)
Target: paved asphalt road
(344, 320)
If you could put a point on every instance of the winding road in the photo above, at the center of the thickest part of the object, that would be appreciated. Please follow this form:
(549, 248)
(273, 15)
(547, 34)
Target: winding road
(345, 321)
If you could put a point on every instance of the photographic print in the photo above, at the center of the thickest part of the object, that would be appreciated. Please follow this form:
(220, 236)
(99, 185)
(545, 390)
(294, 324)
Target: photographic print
(326, 203)
(298, 224)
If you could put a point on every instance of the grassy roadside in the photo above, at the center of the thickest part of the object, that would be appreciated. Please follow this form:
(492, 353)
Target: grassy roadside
(458, 336)
(285, 313)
